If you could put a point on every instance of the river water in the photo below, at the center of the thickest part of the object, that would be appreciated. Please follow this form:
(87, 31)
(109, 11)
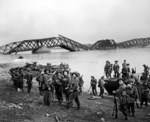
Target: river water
(88, 63)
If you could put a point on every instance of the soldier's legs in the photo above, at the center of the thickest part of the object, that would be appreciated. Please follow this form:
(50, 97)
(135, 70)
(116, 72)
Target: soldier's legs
(141, 103)
(22, 86)
(114, 74)
(107, 75)
(123, 75)
(59, 95)
(80, 90)
(40, 91)
(124, 110)
(110, 74)
(146, 102)
(72, 97)
(101, 92)
(77, 102)
(29, 88)
(128, 107)
(66, 92)
(16, 84)
(117, 74)
(133, 108)
(95, 90)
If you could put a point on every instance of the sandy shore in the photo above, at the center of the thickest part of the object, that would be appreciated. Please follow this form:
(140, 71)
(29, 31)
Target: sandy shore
(23, 107)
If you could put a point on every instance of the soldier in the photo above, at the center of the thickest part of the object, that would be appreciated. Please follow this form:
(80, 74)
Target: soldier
(128, 71)
(20, 82)
(124, 64)
(146, 70)
(132, 96)
(58, 79)
(15, 77)
(81, 82)
(110, 70)
(29, 80)
(93, 85)
(40, 80)
(106, 68)
(66, 83)
(74, 91)
(124, 71)
(122, 98)
(46, 88)
(144, 95)
(116, 68)
(133, 70)
(101, 86)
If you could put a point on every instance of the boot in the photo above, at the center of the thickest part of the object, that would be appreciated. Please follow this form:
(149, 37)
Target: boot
(78, 107)
(126, 118)
(133, 115)
(68, 105)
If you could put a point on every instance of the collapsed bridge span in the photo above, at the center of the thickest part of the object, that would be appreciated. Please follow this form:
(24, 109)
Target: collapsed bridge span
(111, 44)
(35, 44)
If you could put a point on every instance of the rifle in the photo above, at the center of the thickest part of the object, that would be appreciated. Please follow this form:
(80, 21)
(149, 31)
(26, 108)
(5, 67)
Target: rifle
(115, 109)
(89, 89)
(137, 104)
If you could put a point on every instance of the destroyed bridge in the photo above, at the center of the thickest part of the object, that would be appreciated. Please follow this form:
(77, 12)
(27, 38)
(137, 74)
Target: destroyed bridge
(69, 44)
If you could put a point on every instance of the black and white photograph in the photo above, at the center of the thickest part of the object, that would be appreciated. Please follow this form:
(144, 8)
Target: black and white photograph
(74, 60)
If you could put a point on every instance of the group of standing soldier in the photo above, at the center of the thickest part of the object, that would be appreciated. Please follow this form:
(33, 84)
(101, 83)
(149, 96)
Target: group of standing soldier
(129, 93)
(61, 82)
(18, 78)
(100, 83)
(57, 81)
(125, 69)
(70, 84)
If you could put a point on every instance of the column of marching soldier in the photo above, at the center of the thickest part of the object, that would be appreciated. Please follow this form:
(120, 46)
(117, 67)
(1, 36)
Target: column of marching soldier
(131, 88)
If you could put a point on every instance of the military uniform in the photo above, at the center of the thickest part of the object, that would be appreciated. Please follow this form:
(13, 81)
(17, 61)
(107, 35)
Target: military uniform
(101, 85)
(132, 96)
(144, 95)
(110, 70)
(93, 85)
(106, 69)
(58, 87)
(20, 80)
(15, 77)
(40, 80)
(66, 83)
(116, 70)
(125, 72)
(29, 81)
(74, 92)
(122, 99)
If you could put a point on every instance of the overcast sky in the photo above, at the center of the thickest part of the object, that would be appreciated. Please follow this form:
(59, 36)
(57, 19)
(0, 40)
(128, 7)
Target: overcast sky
(85, 21)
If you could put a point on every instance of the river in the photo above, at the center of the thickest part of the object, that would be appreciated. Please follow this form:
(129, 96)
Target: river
(89, 63)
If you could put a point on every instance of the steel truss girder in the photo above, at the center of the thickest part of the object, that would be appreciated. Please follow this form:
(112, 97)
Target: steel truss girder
(30, 45)
(134, 42)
